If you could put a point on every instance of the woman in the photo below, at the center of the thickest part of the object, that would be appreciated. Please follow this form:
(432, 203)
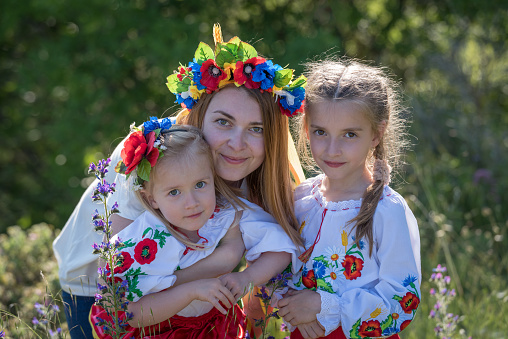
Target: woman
(246, 125)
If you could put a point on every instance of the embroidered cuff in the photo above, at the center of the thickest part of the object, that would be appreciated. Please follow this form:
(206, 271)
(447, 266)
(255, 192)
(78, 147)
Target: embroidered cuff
(329, 317)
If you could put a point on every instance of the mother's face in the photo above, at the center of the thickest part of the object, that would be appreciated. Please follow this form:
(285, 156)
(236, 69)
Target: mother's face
(233, 128)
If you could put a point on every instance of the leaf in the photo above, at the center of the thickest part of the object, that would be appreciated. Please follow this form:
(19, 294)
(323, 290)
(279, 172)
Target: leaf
(387, 323)
(396, 297)
(282, 77)
(354, 330)
(128, 243)
(203, 53)
(223, 57)
(246, 51)
(161, 236)
(322, 259)
(322, 284)
(143, 169)
(357, 252)
(148, 229)
(120, 167)
(300, 82)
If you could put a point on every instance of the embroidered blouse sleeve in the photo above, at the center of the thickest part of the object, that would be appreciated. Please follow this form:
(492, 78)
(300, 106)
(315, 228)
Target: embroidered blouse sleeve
(261, 233)
(387, 305)
(149, 257)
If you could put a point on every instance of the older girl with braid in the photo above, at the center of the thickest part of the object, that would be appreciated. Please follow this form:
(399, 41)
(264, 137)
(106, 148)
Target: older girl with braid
(361, 269)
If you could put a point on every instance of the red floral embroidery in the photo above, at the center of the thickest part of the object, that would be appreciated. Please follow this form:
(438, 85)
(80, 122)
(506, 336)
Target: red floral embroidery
(404, 324)
(409, 302)
(371, 328)
(211, 75)
(309, 280)
(243, 72)
(135, 147)
(353, 267)
(145, 251)
(123, 262)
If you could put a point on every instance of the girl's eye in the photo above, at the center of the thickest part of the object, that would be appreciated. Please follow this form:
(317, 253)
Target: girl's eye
(201, 184)
(350, 135)
(257, 129)
(174, 192)
(223, 122)
(319, 132)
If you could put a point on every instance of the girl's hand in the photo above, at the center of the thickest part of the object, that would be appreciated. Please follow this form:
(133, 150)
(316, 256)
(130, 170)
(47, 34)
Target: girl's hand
(311, 330)
(213, 291)
(300, 307)
(238, 283)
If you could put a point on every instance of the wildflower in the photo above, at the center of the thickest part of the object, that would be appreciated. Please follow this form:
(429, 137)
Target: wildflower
(35, 321)
(2, 334)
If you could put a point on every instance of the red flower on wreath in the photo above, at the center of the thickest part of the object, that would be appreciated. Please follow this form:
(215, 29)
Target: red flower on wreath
(123, 262)
(404, 324)
(409, 302)
(371, 329)
(309, 280)
(211, 75)
(353, 267)
(243, 72)
(145, 251)
(136, 147)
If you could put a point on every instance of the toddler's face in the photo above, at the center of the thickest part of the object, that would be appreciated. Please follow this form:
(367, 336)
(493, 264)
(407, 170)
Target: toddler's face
(184, 192)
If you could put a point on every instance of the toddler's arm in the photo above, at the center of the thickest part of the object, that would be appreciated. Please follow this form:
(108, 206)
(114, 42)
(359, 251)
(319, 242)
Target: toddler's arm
(157, 307)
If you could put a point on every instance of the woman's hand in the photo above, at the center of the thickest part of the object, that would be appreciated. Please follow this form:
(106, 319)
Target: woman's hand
(311, 330)
(238, 283)
(300, 307)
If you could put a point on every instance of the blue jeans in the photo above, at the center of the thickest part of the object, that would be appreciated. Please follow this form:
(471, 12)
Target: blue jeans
(77, 310)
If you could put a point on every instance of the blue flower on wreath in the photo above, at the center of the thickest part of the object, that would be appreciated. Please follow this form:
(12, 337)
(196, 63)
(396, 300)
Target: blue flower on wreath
(409, 281)
(295, 102)
(264, 73)
(154, 123)
(196, 76)
(189, 101)
(319, 269)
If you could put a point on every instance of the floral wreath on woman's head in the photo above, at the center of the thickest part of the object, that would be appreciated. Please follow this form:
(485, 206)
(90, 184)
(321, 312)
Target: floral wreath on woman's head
(235, 62)
(142, 149)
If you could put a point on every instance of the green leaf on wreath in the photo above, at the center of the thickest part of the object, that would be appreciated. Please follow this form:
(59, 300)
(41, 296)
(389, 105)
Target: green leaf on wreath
(143, 169)
(282, 77)
(177, 86)
(203, 53)
(120, 167)
(246, 51)
(300, 82)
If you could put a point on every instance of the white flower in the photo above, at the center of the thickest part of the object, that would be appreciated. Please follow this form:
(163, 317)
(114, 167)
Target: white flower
(335, 277)
(334, 255)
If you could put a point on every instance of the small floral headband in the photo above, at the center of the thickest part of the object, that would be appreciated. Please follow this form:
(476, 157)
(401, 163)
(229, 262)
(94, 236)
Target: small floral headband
(143, 148)
(235, 62)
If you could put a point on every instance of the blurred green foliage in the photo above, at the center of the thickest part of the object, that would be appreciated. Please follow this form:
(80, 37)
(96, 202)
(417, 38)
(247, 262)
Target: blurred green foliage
(74, 75)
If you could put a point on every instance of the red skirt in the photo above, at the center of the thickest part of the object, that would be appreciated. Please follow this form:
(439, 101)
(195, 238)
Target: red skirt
(213, 324)
(337, 334)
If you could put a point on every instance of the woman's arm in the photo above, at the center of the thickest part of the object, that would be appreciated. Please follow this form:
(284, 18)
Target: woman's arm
(157, 307)
(118, 223)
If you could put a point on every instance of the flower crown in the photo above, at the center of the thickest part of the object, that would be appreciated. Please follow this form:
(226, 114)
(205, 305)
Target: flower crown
(235, 62)
(142, 149)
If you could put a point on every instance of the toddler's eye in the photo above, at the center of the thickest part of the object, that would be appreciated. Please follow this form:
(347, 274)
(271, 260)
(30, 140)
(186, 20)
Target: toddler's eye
(201, 184)
(174, 192)
(319, 132)
(350, 135)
